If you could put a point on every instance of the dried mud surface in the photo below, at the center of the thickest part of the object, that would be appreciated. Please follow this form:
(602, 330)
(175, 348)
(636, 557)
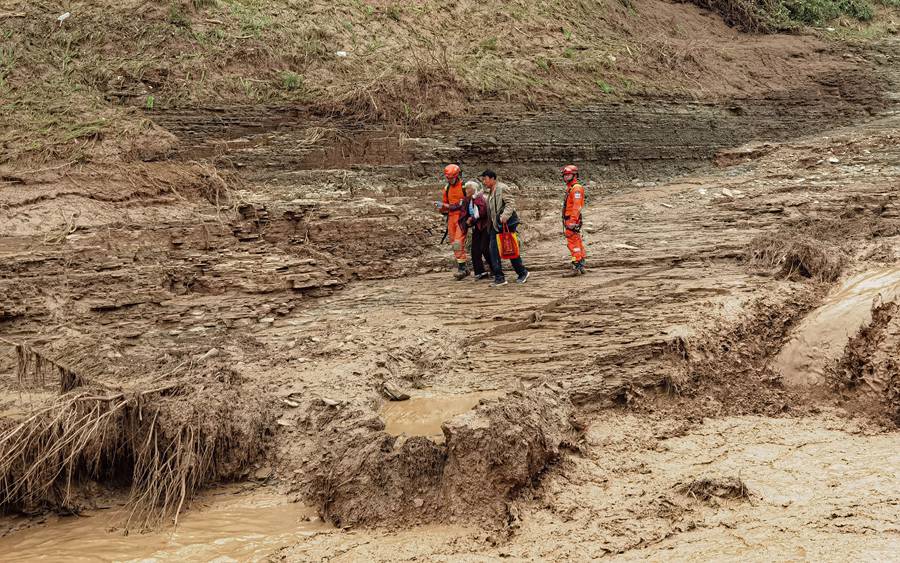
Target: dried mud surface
(636, 412)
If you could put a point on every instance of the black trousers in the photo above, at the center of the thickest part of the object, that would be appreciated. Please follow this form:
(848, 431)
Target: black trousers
(481, 250)
(496, 264)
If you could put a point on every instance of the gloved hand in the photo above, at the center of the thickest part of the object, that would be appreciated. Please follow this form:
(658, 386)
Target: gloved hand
(575, 228)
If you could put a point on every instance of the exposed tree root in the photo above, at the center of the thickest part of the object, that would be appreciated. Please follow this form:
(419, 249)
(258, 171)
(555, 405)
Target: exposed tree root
(166, 442)
(34, 363)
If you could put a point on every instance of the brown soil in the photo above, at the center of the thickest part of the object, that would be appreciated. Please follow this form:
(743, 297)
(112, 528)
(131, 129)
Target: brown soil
(240, 286)
(364, 476)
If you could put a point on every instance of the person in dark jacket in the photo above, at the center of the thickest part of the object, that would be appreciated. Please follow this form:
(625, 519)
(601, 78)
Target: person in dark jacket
(477, 219)
(502, 209)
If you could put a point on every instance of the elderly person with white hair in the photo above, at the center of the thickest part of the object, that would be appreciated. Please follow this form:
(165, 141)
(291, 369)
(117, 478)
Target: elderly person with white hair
(476, 218)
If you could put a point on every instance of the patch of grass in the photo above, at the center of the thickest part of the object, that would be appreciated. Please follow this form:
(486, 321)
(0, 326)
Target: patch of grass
(819, 12)
(291, 81)
(604, 86)
(542, 63)
(394, 12)
(177, 17)
(151, 101)
(88, 130)
(250, 17)
(489, 44)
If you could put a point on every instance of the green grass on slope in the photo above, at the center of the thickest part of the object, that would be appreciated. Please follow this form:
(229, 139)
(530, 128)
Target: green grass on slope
(786, 15)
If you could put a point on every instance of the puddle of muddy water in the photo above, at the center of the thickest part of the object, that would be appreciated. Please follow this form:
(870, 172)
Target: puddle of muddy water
(423, 414)
(820, 339)
(233, 528)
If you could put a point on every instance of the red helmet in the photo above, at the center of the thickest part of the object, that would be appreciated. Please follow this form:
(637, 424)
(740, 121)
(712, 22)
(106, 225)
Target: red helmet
(570, 169)
(451, 172)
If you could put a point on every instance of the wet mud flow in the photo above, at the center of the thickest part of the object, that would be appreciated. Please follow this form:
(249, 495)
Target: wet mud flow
(228, 528)
(251, 314)
(424, 414)
(821, 337)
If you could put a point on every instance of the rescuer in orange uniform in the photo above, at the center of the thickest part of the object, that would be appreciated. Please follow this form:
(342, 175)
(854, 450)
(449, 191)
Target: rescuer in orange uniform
(452, 206)
(572, 221)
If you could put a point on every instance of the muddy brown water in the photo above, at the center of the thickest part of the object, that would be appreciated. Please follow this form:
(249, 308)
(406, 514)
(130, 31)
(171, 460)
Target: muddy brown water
(424, 413)
(229, 528)
(820, 339)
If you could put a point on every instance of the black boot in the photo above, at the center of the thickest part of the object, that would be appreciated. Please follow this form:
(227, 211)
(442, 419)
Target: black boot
(463, 271)
(577, 270)
(579, 267)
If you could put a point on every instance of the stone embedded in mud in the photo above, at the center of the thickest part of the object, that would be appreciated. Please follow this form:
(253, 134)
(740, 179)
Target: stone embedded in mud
(394, 393)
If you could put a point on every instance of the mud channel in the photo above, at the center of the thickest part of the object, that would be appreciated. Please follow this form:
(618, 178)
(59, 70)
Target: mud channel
(820, 339)
(639, 411)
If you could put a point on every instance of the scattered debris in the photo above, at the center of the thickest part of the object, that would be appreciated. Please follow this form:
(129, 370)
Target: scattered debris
(709, 488)
(795, 254)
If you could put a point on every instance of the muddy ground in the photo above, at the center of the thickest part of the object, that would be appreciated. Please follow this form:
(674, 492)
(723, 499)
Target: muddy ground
(647, 409)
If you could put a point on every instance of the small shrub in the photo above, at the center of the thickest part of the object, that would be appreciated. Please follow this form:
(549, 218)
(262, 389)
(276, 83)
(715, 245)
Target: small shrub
(177, 17)
(291, 80)
(151, 101)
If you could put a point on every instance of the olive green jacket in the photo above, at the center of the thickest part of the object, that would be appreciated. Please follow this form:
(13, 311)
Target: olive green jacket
(501, 205)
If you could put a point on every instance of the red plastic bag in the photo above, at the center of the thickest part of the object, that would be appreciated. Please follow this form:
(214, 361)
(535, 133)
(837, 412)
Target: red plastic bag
(508, 244)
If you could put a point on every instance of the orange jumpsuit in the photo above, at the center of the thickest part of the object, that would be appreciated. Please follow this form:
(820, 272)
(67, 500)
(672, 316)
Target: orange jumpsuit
(452, 206)
(572, 218)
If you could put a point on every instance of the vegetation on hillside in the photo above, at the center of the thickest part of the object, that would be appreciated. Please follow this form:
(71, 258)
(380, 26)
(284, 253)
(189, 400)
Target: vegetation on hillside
(787, 15)
(67, 85)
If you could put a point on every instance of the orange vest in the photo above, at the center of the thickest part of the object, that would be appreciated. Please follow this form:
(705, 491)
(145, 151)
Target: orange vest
(453, 194)
(574, 203)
